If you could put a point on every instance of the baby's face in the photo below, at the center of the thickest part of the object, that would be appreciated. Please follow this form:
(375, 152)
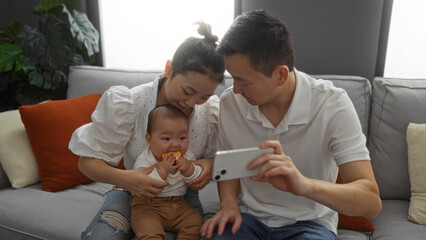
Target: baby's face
(168, 135)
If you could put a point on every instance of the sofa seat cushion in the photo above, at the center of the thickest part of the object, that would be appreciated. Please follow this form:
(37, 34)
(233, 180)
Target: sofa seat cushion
(34, 213)
(346, 234)
(209, 199)
(392, 223)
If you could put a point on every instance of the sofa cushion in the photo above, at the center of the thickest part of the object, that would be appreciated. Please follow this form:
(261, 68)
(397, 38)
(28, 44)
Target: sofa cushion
(31, 212)
(84, 80)
(357, 223)
(49, 127)
(358, 90)
(392, 223)
(416, 144)
(16, 155)
(395, 103)
(4, 181)
(345, 234)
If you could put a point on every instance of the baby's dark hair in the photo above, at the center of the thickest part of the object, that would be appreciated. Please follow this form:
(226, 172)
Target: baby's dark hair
(199, 55)
(163, 111)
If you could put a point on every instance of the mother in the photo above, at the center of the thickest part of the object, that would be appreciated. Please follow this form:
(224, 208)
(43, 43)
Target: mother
(119, 125)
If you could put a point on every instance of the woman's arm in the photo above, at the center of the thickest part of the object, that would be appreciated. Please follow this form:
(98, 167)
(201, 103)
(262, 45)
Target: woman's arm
(135, 180)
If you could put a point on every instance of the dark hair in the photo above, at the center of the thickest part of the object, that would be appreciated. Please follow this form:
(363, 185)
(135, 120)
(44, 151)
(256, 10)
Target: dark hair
(163, 111)
(199, 55)
(263, 37)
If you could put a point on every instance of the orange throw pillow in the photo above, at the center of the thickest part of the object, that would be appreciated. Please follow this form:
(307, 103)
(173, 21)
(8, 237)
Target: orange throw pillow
(357, 223)
(49, 127)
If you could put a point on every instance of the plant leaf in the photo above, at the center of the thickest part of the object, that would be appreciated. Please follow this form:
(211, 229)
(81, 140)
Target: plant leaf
(45, 5)
(9, 82)
(33, 43)
(54, 78)
(52, 48)
(84, 31)
(27, 65)
(9, 33)
(60, 41)
(36, 79)
(27, 94)
(78, 59)
(10, 56)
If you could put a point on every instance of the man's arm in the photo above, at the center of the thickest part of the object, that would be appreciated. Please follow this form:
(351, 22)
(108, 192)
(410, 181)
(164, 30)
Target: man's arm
(358, 196)
(229, 210)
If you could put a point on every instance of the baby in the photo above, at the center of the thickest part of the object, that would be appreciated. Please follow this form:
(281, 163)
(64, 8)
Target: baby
(167, 138)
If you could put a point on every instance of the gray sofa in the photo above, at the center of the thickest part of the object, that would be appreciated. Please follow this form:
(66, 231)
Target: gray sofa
(385, 108)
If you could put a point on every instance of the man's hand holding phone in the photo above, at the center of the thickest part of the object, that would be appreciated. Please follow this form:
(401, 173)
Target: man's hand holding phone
(233, 164)
(279, 170)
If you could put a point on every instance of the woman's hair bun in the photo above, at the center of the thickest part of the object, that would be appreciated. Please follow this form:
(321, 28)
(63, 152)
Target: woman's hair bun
(206, 30)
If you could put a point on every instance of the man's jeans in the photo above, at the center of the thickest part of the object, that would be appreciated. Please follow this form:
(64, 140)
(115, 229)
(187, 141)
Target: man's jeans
(252, 229)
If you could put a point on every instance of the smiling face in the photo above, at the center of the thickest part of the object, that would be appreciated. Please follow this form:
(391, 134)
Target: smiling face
(168, 135)
(254, 86)
(186, 91)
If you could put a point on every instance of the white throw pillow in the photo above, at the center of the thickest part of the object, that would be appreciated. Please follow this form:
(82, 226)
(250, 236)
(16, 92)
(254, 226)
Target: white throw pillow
(416, 143)
(16, 155)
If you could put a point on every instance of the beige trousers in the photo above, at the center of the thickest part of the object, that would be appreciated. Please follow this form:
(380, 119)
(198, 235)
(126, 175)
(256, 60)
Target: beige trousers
(151, 217)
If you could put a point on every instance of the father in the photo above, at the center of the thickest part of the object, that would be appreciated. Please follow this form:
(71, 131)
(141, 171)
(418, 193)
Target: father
(314, 130)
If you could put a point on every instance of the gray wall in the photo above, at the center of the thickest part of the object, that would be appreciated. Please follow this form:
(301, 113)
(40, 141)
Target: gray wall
(18, 11)
(331, 36)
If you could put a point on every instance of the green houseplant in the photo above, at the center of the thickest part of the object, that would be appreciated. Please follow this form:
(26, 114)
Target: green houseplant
(34, 62)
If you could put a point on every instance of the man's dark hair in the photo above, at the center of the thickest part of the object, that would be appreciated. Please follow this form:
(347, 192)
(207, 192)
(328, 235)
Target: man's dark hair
(263, 37)
(163, 111)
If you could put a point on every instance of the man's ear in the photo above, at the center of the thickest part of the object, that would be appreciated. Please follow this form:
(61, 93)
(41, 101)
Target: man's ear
(283, 73)
(168, 69)
(148, 139)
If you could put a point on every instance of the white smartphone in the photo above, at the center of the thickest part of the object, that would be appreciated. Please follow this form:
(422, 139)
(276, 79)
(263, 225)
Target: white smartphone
(232, 164)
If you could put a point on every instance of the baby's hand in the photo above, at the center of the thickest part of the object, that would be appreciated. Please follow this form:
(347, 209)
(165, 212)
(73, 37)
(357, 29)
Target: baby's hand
(166, 166)
(185, 167)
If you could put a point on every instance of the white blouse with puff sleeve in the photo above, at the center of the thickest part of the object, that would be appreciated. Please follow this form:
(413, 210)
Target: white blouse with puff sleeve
(120, 120)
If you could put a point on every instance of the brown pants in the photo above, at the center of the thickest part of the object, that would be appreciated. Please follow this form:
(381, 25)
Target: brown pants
(151, 217)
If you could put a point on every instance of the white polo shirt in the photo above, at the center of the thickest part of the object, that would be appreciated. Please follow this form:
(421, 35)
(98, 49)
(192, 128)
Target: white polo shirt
(320, 131)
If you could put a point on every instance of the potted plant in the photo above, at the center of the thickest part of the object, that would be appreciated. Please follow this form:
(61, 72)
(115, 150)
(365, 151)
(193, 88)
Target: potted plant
(34, 62)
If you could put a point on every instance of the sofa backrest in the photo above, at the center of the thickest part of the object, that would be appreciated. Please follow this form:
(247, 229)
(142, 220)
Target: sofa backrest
(358, 90)
(85, 80)
(395, 103)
